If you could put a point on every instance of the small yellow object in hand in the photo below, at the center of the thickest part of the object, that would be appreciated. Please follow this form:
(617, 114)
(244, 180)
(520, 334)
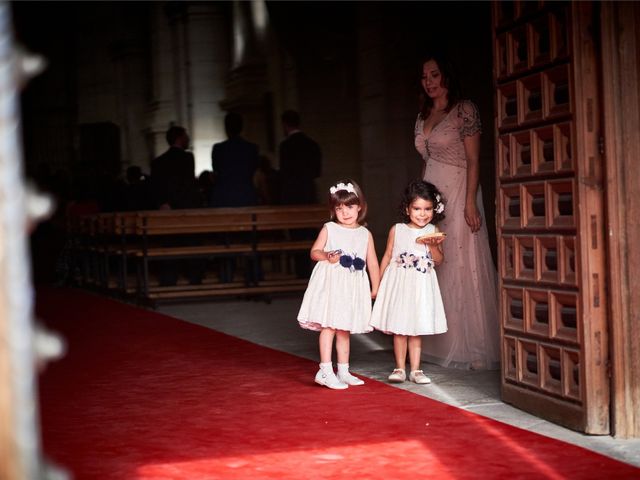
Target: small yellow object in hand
(428, 236)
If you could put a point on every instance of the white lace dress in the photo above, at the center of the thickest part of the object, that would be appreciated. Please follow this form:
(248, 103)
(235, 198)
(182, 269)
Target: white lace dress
(339, 295)
(409, 300)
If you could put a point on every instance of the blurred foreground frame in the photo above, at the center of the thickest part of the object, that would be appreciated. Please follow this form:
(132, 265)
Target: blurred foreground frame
(20, 450)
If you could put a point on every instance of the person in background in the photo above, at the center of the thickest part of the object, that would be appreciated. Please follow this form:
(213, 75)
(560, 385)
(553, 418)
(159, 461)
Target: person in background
(267, 182)
(173, 173)
(206, 180)
(300, 165)
(174, 186)
(137, 191)
(234, 163)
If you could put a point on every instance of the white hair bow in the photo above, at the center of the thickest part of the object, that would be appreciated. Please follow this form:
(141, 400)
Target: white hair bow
(440, 207)
(341, 186)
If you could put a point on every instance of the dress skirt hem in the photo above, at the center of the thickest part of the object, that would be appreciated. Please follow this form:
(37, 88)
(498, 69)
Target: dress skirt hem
(317, 327)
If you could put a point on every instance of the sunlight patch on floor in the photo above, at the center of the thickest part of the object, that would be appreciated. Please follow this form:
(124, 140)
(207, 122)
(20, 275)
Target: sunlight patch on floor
(370, 460)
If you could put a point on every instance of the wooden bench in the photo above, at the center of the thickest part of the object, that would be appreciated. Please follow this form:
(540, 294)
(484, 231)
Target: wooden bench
(154, 228)
(119, 230)
(83, 262)
(253, 233)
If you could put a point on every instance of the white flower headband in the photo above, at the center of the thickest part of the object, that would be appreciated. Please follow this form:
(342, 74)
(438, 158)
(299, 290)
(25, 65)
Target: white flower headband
(440, 207)
(341, 186)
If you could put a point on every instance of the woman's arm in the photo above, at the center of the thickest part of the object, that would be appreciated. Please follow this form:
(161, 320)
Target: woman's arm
(317, 249)
(472, 152)
(372, 267)
(418, 129)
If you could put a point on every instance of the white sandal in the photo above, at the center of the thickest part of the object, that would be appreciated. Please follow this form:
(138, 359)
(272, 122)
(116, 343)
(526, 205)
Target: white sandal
(398, 376)
(418, 376)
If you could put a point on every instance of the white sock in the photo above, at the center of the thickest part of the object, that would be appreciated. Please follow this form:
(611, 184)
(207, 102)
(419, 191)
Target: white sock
(345, 376)
(326, 367)
(343, 368)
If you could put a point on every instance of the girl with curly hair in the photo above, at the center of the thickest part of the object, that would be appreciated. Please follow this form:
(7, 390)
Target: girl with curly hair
(409, 303)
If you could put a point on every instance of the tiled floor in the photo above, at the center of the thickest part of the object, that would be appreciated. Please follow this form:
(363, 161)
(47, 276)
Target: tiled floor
(274, 325)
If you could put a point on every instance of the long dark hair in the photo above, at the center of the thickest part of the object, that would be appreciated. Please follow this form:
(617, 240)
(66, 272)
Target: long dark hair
(449, 81)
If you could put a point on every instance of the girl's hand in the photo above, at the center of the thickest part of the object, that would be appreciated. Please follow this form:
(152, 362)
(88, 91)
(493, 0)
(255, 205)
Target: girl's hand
(432, 241)
(334, 256)
(472, 217)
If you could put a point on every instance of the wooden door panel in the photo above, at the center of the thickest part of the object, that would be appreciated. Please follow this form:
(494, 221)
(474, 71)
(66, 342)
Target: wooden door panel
(549, 199)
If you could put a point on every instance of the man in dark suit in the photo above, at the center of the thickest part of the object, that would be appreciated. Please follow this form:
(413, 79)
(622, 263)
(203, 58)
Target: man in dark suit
(137, 194)
(300, 163)
(234, 163)
(173, 173)
(174, 186)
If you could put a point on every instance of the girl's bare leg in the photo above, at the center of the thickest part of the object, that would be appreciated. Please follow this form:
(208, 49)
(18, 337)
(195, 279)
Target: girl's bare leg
(342, 346)
(326, 344)
(415, 349)
(326, 375)
(342, 350)
(400, 350)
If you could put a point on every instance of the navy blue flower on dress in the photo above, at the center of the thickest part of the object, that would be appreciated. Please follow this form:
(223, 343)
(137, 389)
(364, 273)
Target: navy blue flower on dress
(406, 260)
(346, 261)
(358, 263)
(422, 263)
(352, 262)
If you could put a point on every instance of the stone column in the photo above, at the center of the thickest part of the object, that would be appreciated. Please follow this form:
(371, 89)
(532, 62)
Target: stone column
(129, 60)
(191, 58)
(247, 84)
(163, 108)
(208, 62)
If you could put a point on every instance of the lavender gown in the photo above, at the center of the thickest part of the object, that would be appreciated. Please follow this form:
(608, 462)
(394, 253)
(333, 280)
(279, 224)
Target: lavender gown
(467, 277)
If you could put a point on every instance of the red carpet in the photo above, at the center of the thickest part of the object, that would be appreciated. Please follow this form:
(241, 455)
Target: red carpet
(144, 396)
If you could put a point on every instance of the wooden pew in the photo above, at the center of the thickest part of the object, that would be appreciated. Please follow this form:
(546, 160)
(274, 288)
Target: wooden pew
(119, 245)
(254, 233)
(285, 220)
(154, 227)
(81, 232)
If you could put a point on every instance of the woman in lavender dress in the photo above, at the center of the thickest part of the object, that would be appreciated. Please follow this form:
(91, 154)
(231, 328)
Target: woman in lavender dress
(447, 135)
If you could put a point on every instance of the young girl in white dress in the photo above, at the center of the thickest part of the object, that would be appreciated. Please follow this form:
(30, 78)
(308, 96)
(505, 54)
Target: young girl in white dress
(409, 303)
(337, 301)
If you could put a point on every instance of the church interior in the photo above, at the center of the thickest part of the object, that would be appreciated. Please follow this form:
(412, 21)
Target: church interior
(146, 383)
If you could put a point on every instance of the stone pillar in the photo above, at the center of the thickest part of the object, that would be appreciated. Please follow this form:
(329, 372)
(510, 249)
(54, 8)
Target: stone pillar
(247, 84)
(111, 83)
(191, 58)
(131, 71)
(208, 62)
(163, 108)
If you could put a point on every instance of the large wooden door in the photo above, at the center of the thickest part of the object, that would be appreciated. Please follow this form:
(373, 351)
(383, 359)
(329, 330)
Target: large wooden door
(550, 213)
